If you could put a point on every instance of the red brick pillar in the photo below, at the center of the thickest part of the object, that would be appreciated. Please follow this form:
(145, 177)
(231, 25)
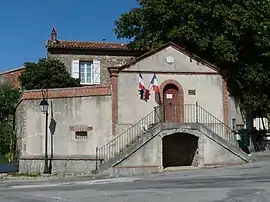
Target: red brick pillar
(226, 104)
(114, 83)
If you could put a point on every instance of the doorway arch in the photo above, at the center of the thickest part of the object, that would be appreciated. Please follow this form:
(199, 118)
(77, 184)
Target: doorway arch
(179, 149)
(172, 100)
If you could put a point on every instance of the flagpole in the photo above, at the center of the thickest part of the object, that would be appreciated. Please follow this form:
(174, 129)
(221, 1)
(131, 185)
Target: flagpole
(149, 85)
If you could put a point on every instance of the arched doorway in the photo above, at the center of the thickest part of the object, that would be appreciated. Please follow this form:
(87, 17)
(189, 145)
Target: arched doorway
(173, 107)
(179, 149)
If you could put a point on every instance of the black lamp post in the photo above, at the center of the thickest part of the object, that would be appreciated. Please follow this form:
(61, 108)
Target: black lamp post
(44, 105)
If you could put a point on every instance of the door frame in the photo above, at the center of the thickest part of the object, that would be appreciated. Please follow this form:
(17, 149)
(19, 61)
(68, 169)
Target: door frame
(181, 95)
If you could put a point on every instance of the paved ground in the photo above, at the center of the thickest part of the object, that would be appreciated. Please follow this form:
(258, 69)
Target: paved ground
(246, 183)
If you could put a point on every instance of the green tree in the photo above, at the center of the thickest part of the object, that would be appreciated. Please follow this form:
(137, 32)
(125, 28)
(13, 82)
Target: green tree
(234, 35)
(9, 97)
(46, 73)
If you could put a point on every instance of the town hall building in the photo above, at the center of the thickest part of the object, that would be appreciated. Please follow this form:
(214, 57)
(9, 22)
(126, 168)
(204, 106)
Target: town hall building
(106, 126)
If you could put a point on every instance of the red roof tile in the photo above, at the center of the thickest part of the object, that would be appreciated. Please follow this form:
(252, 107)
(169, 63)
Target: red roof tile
(12, 77)
(85, 91)
(87, 45)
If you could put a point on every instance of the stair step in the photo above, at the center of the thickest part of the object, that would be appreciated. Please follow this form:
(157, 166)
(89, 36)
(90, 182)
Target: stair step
(146, 124)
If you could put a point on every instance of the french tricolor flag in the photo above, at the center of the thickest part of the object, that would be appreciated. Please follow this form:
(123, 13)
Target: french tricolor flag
(141, 82)
(154, 82)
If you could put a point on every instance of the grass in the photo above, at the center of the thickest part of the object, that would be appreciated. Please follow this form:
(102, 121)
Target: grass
(23, 175)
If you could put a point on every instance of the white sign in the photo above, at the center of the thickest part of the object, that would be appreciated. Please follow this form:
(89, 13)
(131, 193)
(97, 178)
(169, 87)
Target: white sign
(169, 96)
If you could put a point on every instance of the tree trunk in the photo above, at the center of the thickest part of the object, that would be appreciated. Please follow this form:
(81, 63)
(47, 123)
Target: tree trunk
(250, 126)
(263, 123)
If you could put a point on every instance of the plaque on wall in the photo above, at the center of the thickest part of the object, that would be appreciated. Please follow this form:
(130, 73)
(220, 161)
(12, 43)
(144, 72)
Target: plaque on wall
(191, 92)
(169, 96)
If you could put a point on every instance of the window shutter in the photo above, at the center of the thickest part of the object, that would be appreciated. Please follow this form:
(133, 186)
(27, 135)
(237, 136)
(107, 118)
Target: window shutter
(96, 72)
(75, 73)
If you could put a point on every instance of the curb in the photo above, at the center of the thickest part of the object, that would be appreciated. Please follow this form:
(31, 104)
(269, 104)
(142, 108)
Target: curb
(52, 179)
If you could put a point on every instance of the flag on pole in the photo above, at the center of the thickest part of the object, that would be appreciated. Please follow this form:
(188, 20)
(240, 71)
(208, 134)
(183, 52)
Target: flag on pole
(144, 94)
(154, 82)
(141, 82)
(147, 95)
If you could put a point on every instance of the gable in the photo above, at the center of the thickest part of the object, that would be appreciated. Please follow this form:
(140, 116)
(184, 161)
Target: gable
(170, 59)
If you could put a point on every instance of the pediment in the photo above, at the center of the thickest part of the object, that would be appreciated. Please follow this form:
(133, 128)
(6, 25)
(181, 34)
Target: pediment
(170, 58)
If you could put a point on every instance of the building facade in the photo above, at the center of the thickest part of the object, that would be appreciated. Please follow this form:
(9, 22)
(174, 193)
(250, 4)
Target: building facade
(11, 77)
(83, 119)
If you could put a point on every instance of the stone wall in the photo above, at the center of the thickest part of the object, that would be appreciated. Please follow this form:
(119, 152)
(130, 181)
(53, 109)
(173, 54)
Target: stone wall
(71, 111)
(105, 62)
(59, 165)
(148, 156)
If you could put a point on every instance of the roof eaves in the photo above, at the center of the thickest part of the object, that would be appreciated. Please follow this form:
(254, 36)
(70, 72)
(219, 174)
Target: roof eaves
(12, 70)
(177, 47)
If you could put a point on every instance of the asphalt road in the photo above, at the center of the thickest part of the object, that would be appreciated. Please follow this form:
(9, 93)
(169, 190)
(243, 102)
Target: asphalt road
(247, 183)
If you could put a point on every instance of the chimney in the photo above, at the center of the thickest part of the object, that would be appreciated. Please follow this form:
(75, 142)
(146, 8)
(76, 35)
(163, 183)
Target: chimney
(54, 36)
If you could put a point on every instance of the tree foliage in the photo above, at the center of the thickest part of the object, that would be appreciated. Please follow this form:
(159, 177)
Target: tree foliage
(9, 97)
(45, 74)
(234, 35)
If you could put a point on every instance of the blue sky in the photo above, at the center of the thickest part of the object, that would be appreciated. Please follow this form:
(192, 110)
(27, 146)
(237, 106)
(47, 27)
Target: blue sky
(26, 25)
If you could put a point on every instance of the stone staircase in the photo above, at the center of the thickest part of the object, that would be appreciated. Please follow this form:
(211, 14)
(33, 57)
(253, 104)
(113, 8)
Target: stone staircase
(135, 137)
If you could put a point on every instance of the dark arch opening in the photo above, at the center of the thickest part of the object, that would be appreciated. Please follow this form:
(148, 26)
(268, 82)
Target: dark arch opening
(179, 149)
(170, 86)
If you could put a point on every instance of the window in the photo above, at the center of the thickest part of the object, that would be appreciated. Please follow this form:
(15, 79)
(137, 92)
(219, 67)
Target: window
(81, 135)
(86, 72)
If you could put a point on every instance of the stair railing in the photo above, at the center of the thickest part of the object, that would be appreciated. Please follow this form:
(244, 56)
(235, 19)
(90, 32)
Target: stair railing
(188, 113)
(117, 145)
(217, 126)
(193, 113)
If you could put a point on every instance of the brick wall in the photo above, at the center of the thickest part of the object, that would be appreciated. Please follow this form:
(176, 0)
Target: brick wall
(67, 92)
(11, 77)
(226, 103)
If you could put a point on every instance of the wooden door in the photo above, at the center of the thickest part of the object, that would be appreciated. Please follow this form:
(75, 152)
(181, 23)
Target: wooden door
(172, 108)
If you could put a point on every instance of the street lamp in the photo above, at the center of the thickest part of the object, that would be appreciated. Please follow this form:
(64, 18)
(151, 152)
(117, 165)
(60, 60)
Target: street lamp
(44, 106)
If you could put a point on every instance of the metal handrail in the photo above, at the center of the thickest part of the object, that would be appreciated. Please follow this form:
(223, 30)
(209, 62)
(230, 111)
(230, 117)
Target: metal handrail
(216, 125)
(193, 113)
(188, 113)
(118, 144)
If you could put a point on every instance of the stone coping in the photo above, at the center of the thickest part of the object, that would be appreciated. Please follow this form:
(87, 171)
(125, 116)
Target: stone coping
(60, 158)
(85, 91)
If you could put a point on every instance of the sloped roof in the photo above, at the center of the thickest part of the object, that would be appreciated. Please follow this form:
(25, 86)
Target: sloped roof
(87, 45)
(170, 44)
